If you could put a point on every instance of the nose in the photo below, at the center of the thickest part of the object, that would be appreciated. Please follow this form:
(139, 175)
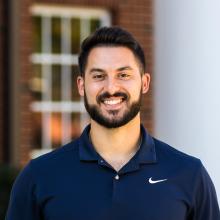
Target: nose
(111, 85)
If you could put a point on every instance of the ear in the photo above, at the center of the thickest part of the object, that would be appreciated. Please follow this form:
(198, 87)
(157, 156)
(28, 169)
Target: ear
(145, 82)
(80, 85)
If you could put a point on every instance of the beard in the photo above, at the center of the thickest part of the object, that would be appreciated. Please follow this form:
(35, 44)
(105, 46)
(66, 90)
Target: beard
(113, 121)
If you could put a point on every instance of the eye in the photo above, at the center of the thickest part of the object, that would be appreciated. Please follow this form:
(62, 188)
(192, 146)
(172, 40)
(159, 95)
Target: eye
(124, 75)
(98, 76)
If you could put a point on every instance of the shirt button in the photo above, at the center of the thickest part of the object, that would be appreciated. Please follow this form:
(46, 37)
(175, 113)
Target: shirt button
(102, 161)
(117, 177)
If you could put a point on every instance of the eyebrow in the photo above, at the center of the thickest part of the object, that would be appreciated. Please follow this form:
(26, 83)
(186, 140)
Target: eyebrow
(97, 70)
(103, 71)
(124, 68)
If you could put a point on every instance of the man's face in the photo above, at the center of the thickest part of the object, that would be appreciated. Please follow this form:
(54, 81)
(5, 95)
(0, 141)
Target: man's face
(112, 86)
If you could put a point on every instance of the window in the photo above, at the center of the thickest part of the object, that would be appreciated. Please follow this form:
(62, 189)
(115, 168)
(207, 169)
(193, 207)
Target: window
(58, 111)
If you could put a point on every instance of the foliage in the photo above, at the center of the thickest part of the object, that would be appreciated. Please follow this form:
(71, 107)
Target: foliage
(7, 177)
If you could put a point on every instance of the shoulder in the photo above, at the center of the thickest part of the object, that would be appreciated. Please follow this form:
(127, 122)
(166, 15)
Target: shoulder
(189, 174)
(185, 169)
(66, 151)
(169, 155)
(54, 162)
(165, 150)
(46, 168)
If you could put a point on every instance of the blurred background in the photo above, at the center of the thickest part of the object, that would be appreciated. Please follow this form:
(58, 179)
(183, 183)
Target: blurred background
(40, 108)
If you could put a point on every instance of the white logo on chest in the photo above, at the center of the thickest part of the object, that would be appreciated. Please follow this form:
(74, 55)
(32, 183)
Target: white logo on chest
(156, 181)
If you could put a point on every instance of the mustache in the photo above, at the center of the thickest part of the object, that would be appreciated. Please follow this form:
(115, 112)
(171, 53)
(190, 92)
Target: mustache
(100, 98)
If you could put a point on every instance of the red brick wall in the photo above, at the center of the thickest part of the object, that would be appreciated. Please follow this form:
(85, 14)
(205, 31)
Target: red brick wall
(135, 16)
(25, 69)
(3, 80)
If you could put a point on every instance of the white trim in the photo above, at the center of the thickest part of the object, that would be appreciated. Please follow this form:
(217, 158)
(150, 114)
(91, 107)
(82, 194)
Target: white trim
(47, 82)
(66, 83)
(39, 152)
(46, 130)
(44, 58)
(69, 12)
(46, 35)
(65, 35)
(46, 116)
(57, 107)
(66, 125)
(106, 20)
(84, 29)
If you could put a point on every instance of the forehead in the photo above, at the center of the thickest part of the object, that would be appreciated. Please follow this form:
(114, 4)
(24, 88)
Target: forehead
(111, 58)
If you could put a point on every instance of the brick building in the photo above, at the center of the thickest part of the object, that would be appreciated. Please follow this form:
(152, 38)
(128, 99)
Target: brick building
(39, 40)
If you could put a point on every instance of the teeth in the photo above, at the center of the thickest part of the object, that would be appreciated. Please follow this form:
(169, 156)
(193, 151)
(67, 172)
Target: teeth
(112, 102)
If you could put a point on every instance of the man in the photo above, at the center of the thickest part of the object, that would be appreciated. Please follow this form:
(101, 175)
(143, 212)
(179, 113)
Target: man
(115, 170)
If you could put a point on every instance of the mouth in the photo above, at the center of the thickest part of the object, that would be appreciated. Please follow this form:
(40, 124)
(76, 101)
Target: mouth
(113, 101)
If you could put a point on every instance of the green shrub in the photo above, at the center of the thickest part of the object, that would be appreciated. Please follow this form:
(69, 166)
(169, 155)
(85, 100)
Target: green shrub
(7, 177)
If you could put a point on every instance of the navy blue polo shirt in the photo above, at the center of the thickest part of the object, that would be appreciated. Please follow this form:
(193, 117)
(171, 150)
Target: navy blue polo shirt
(76, 183)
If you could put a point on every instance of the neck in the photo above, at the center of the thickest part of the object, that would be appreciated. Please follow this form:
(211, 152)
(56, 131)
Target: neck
(116, 145)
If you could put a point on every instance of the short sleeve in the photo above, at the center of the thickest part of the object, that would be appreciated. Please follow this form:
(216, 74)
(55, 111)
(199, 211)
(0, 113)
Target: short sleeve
(22, 204)
(206, 203)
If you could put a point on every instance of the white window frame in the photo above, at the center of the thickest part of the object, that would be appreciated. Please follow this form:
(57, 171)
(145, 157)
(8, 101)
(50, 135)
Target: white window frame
(46, 59)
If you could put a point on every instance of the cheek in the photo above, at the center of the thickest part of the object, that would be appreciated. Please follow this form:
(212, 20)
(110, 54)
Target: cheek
(92, 91)
(134, 89)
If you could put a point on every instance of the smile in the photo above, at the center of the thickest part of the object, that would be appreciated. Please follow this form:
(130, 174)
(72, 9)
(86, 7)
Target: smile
(112, 101)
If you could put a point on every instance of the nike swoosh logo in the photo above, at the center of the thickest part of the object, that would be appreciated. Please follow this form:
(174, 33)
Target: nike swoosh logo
(156, 181)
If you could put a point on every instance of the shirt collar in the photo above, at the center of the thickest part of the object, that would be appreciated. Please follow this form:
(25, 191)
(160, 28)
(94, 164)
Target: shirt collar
(86, 150)
(146, 153)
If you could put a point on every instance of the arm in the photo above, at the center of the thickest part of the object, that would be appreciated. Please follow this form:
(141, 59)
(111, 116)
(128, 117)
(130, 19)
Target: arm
(206, 203)
(23, 204)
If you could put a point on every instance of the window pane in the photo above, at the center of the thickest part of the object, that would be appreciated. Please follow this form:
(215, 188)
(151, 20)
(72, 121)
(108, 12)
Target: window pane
(76, 131)
(75, 35)
(56, 35)
(94, 24)
(56, 129)
(36, 139)
(36, 83)
(75, 93)
(56, 83)
(37, 34)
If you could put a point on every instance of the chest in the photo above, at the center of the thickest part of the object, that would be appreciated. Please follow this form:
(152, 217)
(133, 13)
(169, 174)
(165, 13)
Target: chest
(106, 195)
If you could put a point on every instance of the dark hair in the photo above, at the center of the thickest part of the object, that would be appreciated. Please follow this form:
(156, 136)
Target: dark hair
(110, 36)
